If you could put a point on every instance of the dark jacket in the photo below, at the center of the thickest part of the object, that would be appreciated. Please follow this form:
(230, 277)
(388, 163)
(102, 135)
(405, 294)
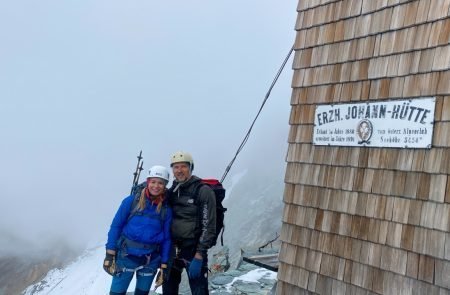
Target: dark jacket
(146, 229)
(194, 217)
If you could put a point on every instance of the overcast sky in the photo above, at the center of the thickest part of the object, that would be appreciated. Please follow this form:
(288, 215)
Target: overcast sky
(85, 85)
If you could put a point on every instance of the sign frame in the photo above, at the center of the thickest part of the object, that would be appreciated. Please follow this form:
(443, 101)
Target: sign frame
(405, 123)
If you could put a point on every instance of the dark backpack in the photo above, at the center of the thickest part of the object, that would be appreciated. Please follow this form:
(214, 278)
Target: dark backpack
(219, 193)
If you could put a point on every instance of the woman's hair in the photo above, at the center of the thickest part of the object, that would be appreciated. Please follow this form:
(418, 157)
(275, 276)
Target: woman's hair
(157, 199)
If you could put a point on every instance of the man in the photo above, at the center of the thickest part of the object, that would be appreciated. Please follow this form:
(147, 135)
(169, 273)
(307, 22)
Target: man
(193, 226)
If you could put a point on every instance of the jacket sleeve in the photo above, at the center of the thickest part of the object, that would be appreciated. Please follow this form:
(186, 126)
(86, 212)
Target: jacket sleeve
(207, 219)
(167, 242)
(119, 221)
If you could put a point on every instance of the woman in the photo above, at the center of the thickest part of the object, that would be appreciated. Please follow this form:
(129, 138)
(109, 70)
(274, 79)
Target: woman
(139, 237)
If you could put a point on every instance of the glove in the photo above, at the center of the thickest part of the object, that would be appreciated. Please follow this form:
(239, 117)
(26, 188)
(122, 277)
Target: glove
(162, 276)
(109, 264)
(195, 268)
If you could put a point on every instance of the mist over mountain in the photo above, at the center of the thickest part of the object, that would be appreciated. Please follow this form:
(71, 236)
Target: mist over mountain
(254, 212)
(25, 262)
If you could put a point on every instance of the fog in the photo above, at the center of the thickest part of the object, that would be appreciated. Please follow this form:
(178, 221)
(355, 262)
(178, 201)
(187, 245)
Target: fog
(86, 85)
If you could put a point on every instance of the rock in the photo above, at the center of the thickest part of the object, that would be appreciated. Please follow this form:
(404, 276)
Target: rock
(222, 280)
(267, 282)
(246, 267)
(234, 273)
(220, 262)
(247, 287)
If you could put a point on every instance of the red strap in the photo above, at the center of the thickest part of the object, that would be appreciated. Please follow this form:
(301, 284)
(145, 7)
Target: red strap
(210, 181)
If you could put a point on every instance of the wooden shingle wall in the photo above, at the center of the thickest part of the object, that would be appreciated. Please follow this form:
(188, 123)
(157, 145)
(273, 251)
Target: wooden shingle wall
(367, 220)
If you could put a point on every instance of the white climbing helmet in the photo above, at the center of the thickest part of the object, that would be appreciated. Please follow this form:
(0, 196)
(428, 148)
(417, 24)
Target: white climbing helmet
(159, 172)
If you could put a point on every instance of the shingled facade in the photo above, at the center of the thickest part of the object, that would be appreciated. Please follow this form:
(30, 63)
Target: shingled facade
(366, 220)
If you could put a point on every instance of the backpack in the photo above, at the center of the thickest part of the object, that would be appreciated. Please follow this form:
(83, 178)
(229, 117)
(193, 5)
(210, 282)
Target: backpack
(219, 193)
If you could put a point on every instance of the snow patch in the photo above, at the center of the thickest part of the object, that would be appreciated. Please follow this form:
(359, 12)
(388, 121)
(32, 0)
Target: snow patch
(253, 276)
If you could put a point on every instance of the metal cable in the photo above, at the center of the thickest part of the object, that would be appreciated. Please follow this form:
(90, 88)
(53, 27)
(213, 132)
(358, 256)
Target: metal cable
(244, 141)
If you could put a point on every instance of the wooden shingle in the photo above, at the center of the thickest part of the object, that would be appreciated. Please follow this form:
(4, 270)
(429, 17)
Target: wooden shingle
(361, 204)
(447, 246)
(442, 274)
(404, 65)
(396, 86)
(370, 206)
(302, 276)
(394, 234)
(412, 86)
(399, 181)
(407, 237)
(287, 253)
(378, 280)
(435, 33)
(419, 242)
(444, 37)
(401, 210)
(398, 15)
(381, 21)
(422, 36)
(441, 58)
(438, 9)
(423, 8)
(426, 268)
(435, 243)
(427, 216)
(412, 266)
(410, 43)
(399, 261)
(314, 261)
(415, 212)
(363, 24)
(443, 88)
(380, 207)
(312, 280)
(388, 212)
(437, 188)
(349, 29)
(445, 116)
(439, 105)
(423, 187)
(410, 13)
(426, 60)
(323, 284)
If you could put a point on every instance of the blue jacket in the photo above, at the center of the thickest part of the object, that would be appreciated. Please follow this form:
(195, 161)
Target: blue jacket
(141, 228)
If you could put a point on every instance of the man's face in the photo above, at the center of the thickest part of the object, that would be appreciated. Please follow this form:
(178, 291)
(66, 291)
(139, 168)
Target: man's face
(181, 171)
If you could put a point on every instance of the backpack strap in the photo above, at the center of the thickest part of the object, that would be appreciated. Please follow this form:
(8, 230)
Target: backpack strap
(197, 188)
(135, 209)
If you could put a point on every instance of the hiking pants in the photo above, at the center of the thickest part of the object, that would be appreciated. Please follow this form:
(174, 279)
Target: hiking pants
(127, 266)
(198, 286)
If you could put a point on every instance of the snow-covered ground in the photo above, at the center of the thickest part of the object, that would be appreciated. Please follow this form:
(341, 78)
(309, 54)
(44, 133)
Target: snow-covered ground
(85, 276)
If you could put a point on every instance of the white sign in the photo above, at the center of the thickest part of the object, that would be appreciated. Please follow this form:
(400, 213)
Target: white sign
(399, 123)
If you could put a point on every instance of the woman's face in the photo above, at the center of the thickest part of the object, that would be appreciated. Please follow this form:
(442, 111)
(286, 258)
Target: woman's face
(156, 186)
